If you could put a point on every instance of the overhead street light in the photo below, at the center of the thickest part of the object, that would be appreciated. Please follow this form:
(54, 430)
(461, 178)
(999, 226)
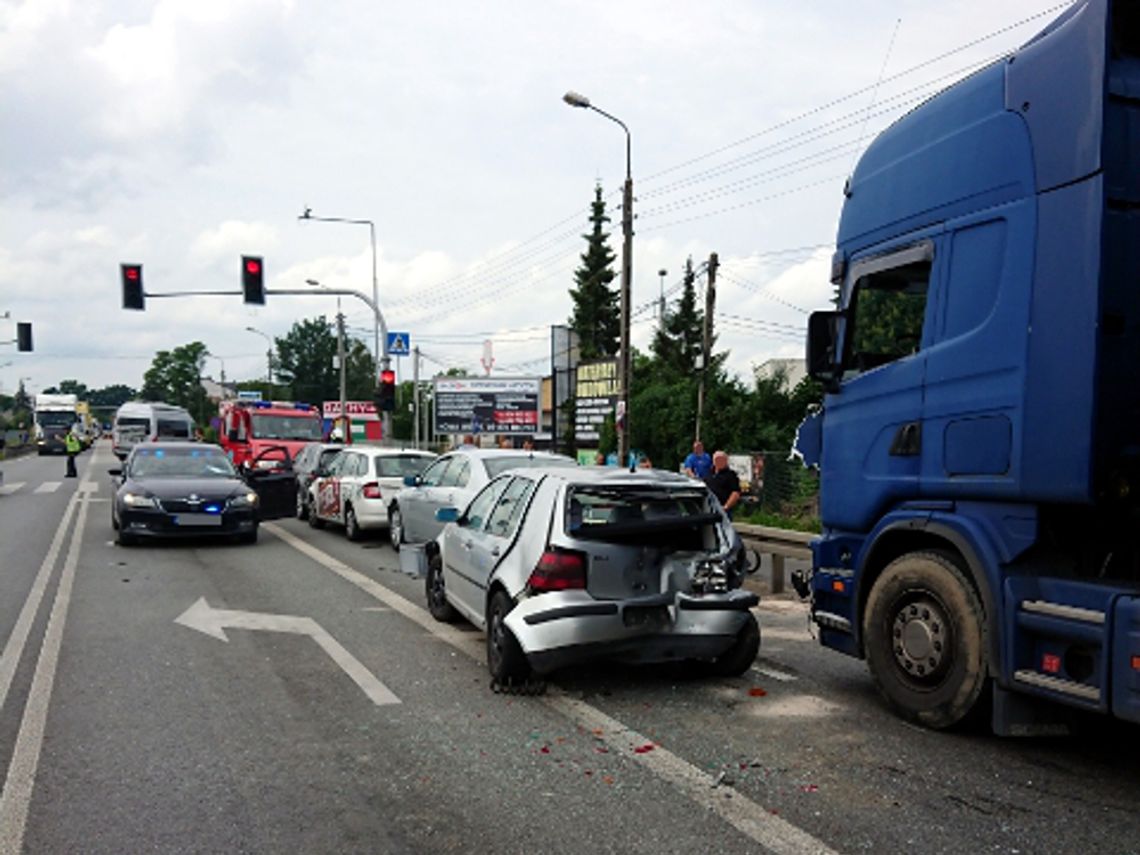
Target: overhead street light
(575, 99)
(380, 345)
(268, 352)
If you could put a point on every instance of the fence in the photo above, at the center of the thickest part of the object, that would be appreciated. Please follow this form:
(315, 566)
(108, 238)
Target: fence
(780, 544)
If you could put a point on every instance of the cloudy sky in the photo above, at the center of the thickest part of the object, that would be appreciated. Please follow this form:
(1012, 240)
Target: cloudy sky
(182, 133)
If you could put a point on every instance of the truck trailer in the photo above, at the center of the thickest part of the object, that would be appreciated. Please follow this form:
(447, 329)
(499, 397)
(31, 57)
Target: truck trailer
(979, 439)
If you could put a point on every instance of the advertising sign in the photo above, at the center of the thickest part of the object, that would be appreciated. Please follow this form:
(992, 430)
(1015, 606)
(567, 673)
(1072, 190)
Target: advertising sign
(364, 411)
(487, 404)
(595, 398)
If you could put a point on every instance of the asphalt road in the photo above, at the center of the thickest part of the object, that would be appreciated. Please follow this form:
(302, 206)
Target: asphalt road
(362, 725)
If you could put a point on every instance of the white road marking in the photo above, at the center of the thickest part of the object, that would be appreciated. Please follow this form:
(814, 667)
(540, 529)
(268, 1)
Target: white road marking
(743, 814)
(777, 634)
(17, 793)
(795, 706)
(48, 487)
(9, 489)
(213, 622)
(779, 676)
(88, 486)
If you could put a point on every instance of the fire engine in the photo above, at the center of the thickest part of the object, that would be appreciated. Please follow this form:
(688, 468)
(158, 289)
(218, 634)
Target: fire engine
(250, 428)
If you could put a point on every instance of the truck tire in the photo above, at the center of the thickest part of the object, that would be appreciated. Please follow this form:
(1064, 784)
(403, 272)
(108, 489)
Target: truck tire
(924, 633)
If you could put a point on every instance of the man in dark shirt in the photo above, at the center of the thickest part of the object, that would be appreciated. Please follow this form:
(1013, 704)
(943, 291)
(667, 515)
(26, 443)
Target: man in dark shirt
(724, 483)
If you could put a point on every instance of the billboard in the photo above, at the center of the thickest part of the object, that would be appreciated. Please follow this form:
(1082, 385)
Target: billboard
(506, 405)
(595, 397)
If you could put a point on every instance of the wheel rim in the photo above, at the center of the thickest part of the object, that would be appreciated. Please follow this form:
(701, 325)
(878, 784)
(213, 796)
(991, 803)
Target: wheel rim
(437, 595)
(350, 523)
(922, 639)
(300, 504)
(496, 632)
(395, 528)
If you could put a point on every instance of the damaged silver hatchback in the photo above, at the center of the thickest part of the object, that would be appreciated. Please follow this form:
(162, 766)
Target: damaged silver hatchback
(566, 565)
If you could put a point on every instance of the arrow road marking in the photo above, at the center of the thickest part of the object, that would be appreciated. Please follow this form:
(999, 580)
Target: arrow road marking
(214, 622)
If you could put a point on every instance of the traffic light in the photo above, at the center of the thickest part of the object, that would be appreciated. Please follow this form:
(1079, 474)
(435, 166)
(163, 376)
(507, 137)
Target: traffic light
(24, 337)
(133, 297)
(386, 392)
(253, 279)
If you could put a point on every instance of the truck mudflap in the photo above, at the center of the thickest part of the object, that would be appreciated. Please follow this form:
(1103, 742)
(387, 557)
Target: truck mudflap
(1073, 642)
(1126, 659)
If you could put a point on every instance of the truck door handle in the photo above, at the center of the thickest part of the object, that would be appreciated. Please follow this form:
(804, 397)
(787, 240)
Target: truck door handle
(907, 441)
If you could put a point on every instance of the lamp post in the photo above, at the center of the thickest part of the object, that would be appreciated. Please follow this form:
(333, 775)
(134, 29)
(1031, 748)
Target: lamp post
(576, 100)
(268, 351)
(661, 300)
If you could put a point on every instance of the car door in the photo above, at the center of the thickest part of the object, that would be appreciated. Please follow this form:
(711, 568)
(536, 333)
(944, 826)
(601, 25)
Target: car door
(351, 480)
(488, 546)
(276, 486)
(449, 492)
(461, 574)
(414, 503)
(326, 504)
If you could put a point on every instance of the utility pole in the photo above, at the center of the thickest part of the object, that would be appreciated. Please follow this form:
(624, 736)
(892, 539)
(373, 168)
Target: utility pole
(626, 280)
(346, 430)
(661, 299)
(706, 338)
(416, 393)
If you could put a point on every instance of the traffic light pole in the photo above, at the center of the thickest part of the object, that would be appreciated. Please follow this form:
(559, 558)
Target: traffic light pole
(385, 359)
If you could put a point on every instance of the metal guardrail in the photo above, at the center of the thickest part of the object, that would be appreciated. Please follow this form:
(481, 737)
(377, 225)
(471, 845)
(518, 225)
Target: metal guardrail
(780, 543)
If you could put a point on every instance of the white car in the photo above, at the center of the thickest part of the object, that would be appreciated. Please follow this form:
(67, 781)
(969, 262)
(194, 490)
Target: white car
(359, 484)
(451, 481)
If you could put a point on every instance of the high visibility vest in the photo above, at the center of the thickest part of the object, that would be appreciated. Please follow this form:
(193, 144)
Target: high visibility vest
(72, 444)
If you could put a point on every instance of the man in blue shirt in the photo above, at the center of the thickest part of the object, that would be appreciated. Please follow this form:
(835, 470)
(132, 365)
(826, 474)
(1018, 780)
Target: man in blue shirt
(698, 464)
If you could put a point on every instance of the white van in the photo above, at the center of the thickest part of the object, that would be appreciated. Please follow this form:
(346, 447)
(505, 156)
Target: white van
(139, 421)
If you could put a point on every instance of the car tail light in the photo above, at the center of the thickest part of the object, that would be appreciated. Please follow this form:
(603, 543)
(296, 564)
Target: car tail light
(371, 491)
(558, 570)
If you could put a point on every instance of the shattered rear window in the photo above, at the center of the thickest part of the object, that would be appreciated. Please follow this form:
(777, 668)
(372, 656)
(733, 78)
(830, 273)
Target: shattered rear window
(615, 513)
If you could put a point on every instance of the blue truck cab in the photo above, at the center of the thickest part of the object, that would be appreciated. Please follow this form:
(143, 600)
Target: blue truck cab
(979, 441)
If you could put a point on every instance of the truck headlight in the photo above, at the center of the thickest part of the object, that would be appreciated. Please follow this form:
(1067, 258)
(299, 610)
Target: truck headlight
(244, 500)
(138, 500)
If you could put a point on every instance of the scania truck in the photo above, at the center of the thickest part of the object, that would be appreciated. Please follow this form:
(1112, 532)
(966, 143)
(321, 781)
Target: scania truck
(55, 415)
(979, 440)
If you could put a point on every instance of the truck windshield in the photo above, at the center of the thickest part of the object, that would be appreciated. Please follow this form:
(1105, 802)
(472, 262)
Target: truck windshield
(299, 427)
(56, 418)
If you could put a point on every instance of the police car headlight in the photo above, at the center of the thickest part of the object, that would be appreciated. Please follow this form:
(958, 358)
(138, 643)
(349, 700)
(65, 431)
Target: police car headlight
(244, 500)
(138, 500)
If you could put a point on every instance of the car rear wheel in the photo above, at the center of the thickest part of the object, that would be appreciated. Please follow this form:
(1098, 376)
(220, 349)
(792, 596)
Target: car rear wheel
(505, 658)
(437, 603)
(302, 506)
(314, 520)
(395, 527)
(739, 658)
(351, 526)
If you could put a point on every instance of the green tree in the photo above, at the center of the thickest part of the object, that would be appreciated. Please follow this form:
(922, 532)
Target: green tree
(23, 401)
(113, 396)
(175, 377)
(596, 317)
(677, 342)
(306, 362)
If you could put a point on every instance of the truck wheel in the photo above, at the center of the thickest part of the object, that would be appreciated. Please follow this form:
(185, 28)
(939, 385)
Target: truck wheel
(925, 639)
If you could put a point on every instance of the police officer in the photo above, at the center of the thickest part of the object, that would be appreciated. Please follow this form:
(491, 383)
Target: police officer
(72, 445)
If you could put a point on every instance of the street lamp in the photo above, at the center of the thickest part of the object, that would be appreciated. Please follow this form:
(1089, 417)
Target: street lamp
(268, 352)
(574, 99)
(307, 214)
(661, 300)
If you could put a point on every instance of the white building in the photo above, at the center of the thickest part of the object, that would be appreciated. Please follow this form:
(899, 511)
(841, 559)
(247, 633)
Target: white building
(794, 370)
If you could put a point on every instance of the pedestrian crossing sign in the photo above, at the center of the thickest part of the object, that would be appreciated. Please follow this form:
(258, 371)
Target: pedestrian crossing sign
(399, 344)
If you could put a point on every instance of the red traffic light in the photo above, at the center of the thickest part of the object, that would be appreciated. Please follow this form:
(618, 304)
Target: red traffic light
(131, 273)
(253, 265)
(387, 376)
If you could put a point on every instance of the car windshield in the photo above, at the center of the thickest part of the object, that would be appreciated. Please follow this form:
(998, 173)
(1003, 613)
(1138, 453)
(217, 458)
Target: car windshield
(615, 513)
(499, 465)
(300, 426)
(181, 463)
(401, 465)
(174, 428)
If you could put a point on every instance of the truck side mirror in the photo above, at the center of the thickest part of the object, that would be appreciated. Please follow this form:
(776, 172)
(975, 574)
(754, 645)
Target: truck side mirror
(823, 363)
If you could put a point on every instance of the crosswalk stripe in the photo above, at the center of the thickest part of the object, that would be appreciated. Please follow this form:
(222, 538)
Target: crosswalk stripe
(8, 489)
(48, 487)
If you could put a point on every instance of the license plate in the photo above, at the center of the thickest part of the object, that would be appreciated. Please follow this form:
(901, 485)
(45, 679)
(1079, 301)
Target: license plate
(197, 519)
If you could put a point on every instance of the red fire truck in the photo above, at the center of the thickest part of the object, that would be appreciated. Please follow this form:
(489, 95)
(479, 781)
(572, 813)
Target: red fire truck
(251, 428)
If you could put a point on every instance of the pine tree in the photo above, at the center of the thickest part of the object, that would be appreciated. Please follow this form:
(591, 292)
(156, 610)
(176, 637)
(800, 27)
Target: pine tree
(677, 342)
(597, 311)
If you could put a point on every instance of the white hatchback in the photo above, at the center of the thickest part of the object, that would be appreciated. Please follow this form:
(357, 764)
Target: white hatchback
(359, 485)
